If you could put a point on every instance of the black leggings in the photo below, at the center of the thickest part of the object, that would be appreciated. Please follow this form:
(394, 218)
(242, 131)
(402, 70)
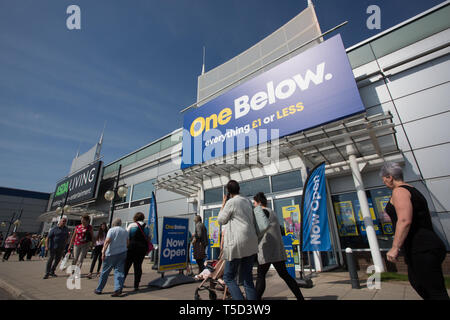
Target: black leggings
(425, 274)
(135, 258)
(8, 253)
(280, 267)
(96, 254)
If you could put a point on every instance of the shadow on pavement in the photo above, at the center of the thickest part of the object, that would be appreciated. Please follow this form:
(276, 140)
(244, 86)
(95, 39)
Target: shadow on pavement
(323, 298)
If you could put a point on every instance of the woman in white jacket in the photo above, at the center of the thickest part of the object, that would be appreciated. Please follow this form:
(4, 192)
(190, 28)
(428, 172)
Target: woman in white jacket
(240, 241)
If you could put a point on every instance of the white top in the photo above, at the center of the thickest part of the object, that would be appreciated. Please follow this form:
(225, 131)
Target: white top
(240, 239)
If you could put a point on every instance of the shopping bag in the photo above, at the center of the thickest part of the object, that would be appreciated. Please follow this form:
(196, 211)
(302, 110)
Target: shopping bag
(63, 263)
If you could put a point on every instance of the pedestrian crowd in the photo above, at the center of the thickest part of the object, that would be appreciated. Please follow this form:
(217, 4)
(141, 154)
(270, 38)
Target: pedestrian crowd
(26, 247)
(251, 233)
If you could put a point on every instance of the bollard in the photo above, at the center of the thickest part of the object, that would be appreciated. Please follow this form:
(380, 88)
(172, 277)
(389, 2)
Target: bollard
(352, 269)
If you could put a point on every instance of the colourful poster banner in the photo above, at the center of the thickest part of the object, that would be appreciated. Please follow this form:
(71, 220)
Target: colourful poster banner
(345, 219)
(214, 232)
(361, 225)
(290, 264)
(386, 223)
(291, 219)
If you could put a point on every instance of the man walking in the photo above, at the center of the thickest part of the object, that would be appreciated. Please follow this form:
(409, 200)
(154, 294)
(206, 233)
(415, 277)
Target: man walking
(56, 243)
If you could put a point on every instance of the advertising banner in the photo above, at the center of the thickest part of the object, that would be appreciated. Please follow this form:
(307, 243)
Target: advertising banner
(362, 226)
(315, 229)
(345, 219)
(290, 265)
(386, 223)
(313, 88)
(77, 188)
(153, 219)
(291, 219)
(173, 249)
(214, 232)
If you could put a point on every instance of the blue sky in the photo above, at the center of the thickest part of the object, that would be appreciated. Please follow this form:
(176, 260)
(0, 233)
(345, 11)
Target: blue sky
(133, 64)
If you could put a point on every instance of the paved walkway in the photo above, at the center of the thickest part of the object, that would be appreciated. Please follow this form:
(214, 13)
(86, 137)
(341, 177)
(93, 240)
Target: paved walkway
(24, 280)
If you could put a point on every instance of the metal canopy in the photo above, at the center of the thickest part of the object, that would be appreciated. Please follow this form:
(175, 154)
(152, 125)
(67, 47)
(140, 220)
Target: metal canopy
(372, 136)
(73, 212)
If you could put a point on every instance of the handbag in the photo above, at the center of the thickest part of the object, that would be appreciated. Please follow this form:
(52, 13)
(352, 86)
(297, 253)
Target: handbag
(149, 243)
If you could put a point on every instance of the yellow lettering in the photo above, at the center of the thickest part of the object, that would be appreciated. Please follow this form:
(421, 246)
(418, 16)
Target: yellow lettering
(195, 132)
(225, 116)
(212, 117)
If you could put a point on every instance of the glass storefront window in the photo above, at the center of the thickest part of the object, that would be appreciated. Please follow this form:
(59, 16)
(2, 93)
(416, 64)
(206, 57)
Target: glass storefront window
(350, 222)
(287, 181)
(252, 187)
(213, 195)
(213, 253)
(288, 213)
(143, 190)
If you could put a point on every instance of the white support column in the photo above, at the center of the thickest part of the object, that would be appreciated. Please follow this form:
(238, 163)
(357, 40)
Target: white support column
(200, 200)
(364, 204)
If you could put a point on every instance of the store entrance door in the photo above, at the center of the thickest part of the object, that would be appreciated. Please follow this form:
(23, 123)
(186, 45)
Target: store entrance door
(288, 213)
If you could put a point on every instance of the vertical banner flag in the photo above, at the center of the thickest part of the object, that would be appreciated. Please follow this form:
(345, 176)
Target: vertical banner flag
(153, 219)
(315, 231)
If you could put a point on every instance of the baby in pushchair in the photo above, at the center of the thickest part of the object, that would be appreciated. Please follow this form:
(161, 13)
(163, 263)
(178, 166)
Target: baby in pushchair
(212, 280)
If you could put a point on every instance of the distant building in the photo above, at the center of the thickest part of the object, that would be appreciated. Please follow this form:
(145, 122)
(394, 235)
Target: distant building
(23, 205)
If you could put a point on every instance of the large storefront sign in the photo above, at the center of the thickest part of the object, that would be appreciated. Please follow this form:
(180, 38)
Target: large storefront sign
(78, 188)
(173, 250)
(316, 232)
(313, 88)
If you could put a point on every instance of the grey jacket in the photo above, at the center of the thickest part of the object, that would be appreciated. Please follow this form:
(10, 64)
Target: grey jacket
(240, 239)
(271, 247)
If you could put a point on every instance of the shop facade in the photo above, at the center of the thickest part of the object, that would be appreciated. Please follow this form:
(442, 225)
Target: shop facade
(403, 79)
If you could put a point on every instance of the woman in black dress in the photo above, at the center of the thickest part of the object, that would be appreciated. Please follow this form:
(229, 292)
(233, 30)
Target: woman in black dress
(424, 251)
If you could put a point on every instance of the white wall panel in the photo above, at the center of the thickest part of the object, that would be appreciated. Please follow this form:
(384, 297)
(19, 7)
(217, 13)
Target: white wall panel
(433, 161)
(374, 94)
(429, 131)
(424, 103)
(440, 193)
(421, 77)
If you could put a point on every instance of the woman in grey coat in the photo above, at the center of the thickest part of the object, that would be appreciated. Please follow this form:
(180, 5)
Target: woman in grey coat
(271, 251)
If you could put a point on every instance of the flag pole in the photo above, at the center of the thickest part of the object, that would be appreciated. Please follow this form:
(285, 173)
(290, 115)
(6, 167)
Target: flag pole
(302, 264)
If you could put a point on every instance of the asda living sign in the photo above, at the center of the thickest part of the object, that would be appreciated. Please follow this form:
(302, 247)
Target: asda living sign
(79, 187)
(313, 88)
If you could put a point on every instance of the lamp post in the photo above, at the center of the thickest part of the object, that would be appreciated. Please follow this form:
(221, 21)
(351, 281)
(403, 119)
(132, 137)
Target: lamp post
(121, 191)
(9, 227)
(65, 208)
(17, 222)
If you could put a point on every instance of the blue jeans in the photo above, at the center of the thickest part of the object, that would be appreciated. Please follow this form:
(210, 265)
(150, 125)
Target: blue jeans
(117, 262)
(245, 267)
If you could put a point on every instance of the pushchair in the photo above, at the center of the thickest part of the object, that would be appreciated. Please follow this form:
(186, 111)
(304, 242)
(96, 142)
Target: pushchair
(212, 283)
